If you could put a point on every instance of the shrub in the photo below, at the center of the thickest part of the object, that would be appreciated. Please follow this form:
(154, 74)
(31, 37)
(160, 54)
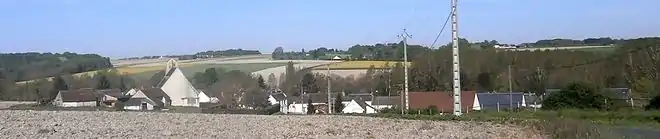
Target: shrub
(578, 95)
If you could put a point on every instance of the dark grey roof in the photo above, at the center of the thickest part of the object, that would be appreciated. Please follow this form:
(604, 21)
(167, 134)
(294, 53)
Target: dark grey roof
(316, 98)
(111, 92)
(362, 104)
(279, 96)
(386, 100)
(79, 95)
(491, 100)
(165, 78)
(361, 96)
(157, 95)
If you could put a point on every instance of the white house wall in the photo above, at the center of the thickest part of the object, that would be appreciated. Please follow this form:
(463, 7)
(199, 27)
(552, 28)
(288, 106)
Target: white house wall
(203, 98)
(79, 104)
(380, 107)
(354, 107)
(178, 87)
(475, 104)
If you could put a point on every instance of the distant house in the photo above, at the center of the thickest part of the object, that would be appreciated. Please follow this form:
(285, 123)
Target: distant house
(336, 58)
(177, 87)
(496, 101)
(148, 99)
(110, 96)
(279, 99)
(366, 97)
(443, 101)
(76, 98)
(358, 106)
(130, 92)
(298, 105)
(381, 102)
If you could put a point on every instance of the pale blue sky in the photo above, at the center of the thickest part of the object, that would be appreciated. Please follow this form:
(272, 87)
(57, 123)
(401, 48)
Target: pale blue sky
(121, 28)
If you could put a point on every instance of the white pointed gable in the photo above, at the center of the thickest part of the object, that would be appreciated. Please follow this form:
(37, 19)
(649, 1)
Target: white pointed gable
(131, 92)
(203, 97)
(178, 87)
(139, 94)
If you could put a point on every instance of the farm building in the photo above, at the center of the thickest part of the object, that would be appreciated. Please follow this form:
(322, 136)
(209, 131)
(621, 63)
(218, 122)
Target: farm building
(298, 105)
(358, 106)
(279, 99)
(76, 98)
(110, 96)
(177, 87)
(381, 102)
(147, 99)
(443, 101)
(130, 92)
(348, 98)
(497, 101)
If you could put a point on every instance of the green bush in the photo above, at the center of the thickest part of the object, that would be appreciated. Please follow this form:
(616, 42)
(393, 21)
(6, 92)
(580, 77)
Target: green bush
(580, 96)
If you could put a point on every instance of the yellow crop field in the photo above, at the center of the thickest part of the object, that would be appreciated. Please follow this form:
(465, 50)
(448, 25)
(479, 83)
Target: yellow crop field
(134, 70)
(360, 65)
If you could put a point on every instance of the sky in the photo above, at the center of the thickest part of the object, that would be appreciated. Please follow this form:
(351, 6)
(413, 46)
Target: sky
(125, 28)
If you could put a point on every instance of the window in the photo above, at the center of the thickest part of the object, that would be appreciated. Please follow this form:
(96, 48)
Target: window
(192, 101)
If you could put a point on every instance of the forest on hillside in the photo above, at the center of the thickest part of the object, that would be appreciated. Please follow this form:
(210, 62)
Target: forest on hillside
(633, 65)
(16, 67)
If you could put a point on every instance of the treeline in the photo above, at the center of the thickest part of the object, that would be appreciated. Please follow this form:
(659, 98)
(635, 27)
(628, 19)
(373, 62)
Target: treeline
(16, 67)
(570, 42)
(315, 54)
(229, 52)
(43, 90)
(633, 65)
(233, 88)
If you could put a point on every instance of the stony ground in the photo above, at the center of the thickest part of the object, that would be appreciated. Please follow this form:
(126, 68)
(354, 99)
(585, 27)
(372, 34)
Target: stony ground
(100, 124)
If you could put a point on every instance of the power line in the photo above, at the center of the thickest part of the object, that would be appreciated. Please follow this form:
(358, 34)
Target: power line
(442, 29)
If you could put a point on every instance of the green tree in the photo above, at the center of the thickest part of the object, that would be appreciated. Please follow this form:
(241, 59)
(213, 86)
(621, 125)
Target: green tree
(309, 83)
(102, 82)
(310, 107)
(261, 82)
(338, 106)
(577, 95)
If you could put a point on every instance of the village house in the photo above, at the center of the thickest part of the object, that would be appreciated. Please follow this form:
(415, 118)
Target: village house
(298, 104)
(148, 99)
(358, 106)
(86, 97)
(110, 96)
(443, 101)
(279, 99)
(177, 87)
(381, 102)
(498, 101)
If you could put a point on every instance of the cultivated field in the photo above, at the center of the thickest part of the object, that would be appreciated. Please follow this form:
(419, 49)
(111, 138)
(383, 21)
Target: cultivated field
(277, 71)
(101, 124)
(359, 65)
(190, 70)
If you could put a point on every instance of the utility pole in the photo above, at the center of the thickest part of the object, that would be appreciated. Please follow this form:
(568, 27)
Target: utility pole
(456, 60)
(510, 89)
(405, 37)
(329, 96)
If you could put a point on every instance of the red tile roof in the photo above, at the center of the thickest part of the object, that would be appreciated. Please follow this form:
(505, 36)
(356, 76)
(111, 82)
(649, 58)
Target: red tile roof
(444, 101)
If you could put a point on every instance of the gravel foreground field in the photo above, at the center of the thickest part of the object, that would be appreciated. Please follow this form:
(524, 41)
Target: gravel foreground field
(101, 124)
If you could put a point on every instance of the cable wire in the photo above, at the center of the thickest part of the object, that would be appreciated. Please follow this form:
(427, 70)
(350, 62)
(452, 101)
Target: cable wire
(442, 29)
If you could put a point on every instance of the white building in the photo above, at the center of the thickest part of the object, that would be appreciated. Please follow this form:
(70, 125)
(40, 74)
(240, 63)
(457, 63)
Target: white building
(280, 98)
(177, 87)
(203, 98)
(148, 99)
(76, 98)
(358, 106)
(298, 105)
